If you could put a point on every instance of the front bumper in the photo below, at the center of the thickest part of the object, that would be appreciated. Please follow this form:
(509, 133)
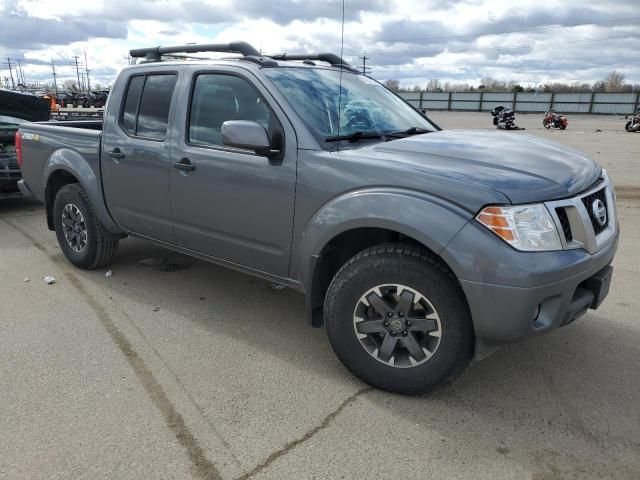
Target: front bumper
(515, 295)
(504, 314)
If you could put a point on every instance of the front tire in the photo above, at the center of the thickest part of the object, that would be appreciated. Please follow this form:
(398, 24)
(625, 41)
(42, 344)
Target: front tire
(81, 236)
(398, 320)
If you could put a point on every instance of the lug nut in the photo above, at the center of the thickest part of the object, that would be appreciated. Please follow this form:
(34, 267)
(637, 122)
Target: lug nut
(401, 314)
(408, 323)
(385, 323)
(389, 314)
(404, 333)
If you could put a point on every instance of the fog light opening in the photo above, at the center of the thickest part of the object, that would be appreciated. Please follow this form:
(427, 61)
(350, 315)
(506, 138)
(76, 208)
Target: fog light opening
(536, 312)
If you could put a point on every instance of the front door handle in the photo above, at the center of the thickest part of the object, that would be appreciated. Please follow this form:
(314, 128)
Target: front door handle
(116, 154)
(184, 165)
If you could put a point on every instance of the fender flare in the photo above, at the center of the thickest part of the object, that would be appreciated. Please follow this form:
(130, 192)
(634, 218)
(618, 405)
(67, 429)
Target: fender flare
(75, 164)
(429, 220)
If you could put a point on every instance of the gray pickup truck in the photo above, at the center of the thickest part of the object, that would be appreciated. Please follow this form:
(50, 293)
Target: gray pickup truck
(418, 249)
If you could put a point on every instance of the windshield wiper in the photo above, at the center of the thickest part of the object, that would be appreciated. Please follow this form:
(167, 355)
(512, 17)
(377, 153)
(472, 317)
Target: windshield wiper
(354, 137)
(408, 132)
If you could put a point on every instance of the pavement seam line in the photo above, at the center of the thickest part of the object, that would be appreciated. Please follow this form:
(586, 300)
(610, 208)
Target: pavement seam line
(202, 466)
(307, 436)
(179, 382)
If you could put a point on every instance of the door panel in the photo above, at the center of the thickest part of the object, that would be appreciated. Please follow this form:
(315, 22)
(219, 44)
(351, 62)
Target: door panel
(234, 204)
(136, 162)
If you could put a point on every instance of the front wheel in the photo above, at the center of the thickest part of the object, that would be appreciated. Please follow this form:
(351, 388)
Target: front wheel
(81, 236)
(398, 320)
(546, 124)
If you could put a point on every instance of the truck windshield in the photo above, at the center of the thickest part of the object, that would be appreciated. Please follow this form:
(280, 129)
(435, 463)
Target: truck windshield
(365, 110)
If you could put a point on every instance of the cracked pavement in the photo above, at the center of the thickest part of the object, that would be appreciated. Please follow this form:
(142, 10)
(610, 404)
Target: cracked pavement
(199, 372)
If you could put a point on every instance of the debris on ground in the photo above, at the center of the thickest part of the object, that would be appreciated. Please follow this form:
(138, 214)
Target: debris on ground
(157, 309)
(173, 267)
(26, 280)
(151, 262)
(598, 130)
(49, 280)
(277, 286)
(108, 274)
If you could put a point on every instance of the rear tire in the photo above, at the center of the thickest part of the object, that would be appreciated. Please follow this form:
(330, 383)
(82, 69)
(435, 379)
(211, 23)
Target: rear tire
(627, 127)
(431, 357)
(81, 236)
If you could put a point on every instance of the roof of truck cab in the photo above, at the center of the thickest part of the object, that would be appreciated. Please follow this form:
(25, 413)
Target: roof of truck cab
(232, 61)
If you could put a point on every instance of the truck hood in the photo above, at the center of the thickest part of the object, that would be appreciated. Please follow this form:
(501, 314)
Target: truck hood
(524, 168)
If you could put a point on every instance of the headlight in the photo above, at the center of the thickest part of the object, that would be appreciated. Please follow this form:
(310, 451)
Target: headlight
(525, 227)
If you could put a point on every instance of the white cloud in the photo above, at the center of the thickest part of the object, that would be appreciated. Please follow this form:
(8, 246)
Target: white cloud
(411, 40)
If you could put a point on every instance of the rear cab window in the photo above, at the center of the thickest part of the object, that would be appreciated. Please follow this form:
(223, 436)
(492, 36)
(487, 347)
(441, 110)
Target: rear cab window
(145, 111)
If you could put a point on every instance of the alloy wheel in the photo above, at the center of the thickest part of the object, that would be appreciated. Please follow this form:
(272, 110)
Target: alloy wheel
(74, 227)
(397, 325)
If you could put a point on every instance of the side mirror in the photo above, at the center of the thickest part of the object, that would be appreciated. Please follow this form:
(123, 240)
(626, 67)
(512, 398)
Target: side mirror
(247, 135)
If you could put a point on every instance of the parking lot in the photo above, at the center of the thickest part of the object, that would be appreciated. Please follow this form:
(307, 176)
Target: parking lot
(175, 368)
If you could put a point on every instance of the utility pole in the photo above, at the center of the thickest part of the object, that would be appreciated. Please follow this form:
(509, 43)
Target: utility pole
(55, 82)
(86, 68)
(365, 70)
(13, 84)
(77, 71)
(21, 73)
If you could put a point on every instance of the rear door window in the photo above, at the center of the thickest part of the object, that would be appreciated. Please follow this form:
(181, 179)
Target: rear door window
(130, 111)
(146, 109)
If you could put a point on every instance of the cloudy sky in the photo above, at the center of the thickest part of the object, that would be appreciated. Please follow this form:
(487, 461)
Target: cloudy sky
(530, 41)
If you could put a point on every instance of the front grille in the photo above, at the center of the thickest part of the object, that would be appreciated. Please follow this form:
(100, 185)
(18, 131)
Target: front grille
(564, 222)
(588, 204)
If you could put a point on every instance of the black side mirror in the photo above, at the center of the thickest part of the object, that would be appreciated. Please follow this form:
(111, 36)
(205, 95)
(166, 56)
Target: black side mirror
(248, 135)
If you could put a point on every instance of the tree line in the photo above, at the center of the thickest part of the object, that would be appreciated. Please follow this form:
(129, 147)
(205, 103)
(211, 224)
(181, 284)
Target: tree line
(613, 82)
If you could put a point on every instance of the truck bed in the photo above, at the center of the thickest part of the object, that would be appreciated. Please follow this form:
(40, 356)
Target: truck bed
(41, 141)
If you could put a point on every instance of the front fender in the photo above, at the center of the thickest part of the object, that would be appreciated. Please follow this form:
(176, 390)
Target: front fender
(427, 219)
(75, 164)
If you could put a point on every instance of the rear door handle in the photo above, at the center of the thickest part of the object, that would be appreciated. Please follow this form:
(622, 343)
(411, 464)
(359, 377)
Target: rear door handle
(184, 165)
(116, 154)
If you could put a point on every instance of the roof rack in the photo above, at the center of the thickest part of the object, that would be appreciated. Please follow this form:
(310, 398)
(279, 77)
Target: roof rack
(331, 58)
(154, 54)
(248, 52)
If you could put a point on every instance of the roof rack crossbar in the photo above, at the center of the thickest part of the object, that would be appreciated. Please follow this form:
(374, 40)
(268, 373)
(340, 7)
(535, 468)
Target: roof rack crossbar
(154, 54)
(331, 58)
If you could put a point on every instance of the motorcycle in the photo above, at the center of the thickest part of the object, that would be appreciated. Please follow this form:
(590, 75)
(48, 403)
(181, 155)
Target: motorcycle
(552, 119)
(633, 125)
(504, 118)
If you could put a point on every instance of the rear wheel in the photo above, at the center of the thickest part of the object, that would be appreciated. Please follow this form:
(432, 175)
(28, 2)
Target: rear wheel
(398, 320)
(627, 127)
(81, 236)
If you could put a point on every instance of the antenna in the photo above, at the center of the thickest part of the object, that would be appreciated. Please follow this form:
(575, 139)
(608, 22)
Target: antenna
(340, 81)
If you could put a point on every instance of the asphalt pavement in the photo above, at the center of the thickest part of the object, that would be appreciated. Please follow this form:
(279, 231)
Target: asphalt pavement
(175, 368)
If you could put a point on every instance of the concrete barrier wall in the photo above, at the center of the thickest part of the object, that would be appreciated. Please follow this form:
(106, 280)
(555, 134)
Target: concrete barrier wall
(535, 102)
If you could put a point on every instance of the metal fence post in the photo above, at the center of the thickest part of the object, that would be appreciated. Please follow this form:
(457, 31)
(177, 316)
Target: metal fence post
(593, 94)
(449, 105)
(635, 109)
(553, 97)
(421, 92)
(513, 102)
(481, 99)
